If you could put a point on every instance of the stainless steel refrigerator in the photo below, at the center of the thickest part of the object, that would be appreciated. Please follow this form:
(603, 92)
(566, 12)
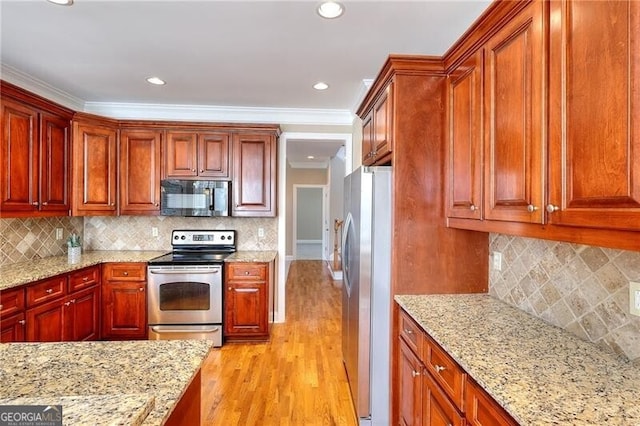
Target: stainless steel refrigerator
(366, 290)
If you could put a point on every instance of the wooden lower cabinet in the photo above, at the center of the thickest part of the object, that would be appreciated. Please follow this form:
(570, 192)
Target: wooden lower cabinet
(124, 301)
(433, 390)
(12, 329)
(71, 318)
(246, 299)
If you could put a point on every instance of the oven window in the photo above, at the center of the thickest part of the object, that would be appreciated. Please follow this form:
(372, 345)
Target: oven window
(184, 296)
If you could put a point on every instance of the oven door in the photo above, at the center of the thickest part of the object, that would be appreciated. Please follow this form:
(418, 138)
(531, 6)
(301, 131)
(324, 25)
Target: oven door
(180, 295)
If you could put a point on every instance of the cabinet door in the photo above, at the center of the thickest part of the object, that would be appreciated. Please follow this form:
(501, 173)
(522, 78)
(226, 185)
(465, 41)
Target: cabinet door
(19, 152)
(465, 139)
(181, 155)
(254, 175)
(140, 172)
(594, 137)
(245, 311)
(410, 372)
(124, 307)
(383, 125)
(46, 322)
(213, 155)
(514, 119)
(437, 409)
(55, 164)
(94, 154)
(367, 140)
(482, 410)
(83, 321)
(12, 329)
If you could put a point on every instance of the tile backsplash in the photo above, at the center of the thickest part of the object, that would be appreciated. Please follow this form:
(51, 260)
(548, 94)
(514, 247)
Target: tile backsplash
(135, 232)
(582, 289)
(35, 238)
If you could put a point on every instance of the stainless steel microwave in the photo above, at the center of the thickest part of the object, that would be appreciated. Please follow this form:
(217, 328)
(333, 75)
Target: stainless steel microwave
(204, 198)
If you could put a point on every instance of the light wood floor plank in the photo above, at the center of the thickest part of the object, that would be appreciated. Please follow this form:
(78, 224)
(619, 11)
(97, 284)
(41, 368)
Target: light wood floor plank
(297, 378)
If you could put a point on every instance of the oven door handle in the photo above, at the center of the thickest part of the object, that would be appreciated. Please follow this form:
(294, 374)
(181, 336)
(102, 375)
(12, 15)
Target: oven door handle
(160, 329)
(185, 271)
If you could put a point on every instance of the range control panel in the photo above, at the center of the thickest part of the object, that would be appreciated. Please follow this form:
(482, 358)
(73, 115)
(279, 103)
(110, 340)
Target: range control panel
(203, 238)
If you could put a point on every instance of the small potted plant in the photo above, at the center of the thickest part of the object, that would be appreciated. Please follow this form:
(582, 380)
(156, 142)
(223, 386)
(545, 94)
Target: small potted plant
(73, 243)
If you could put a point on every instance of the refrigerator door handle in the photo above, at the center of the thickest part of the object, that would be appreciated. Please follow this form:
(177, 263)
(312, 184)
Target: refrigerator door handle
(346, 255)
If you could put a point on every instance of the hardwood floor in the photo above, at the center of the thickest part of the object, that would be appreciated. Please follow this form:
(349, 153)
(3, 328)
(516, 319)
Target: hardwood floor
(297, 378)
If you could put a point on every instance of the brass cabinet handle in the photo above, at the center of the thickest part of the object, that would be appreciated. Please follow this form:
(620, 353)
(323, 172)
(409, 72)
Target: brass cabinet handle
(49, 291)
(551, 208)
(1, 306)
(439, 368)
(415, 373)
(473, 207)
(35, 203)
(141, 289)
(22, 322)
(125, 273)
(45, 204)
(85, 278)
(407, 331)
(531, 208)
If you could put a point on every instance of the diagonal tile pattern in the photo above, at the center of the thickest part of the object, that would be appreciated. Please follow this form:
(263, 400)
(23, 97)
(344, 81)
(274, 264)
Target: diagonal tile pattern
(582, 289)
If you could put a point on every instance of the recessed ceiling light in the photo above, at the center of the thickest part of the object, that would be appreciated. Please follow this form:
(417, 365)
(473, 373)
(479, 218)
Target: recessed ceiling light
(62, 2)
(321, 86)
(330, 9)
(310, 157)
(156, 80)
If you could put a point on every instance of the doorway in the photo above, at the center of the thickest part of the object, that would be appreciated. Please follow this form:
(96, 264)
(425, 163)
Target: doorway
(310, 222)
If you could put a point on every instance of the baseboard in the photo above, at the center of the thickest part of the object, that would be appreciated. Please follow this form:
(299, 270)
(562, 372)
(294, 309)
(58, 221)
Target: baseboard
(309, 242)
(335, 275)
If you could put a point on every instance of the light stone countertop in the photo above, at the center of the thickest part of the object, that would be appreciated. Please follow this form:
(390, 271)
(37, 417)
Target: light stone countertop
(541, 374)
(252, 256)
(20, 273)
(26, 272)
(82, 374)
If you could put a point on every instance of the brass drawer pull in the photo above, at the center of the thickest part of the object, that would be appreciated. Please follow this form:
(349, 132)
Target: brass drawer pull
(439, 368)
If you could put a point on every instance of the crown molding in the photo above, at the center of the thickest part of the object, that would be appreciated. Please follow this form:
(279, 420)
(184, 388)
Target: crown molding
(39, 87)
(226, 114)
(365, 85)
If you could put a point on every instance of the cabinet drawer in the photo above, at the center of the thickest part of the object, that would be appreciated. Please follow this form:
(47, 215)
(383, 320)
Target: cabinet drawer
(84, 278)
(126, 271)
(449, 375)
(46, 290)
(411, 332)
(11, 302)
(247, 271)
(437, 408)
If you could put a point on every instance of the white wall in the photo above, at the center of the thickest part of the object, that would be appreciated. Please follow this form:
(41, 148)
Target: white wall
(309, 214)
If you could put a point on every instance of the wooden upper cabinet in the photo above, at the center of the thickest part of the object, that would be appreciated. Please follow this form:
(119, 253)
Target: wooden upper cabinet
(140, 162)
(254, 174)
(514, 118)
(464, 113)
(594, 133)
(377, 130)
(94, 170)
(193, 155)
(35, 161)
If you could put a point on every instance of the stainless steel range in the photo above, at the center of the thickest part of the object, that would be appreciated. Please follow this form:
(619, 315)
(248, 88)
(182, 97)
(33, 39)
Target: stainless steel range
(185, 286)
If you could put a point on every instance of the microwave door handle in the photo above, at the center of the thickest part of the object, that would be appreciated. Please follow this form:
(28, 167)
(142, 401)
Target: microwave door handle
(213, 200)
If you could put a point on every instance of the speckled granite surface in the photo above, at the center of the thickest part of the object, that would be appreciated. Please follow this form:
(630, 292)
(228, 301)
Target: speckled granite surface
(159, 369)
(25, 272)
(252, 256)
(541, 374)
(97, 410)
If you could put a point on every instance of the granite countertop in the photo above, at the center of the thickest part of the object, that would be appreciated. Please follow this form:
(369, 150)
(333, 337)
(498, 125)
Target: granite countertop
(125, 380)
(252, 256)
(539, 373)
(20, 273)
(26, 272)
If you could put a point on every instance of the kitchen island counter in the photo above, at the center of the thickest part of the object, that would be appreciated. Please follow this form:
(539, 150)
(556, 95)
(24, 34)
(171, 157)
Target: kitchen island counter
(539, 373)
(87, 378)
(16, 274)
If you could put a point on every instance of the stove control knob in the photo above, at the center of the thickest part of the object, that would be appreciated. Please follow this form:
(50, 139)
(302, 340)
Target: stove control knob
(176, 237)
(183, 238)
(223, 238)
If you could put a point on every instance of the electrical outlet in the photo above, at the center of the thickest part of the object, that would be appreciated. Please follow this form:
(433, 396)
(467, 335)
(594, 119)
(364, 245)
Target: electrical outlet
(154, 231)
(260, 232)
(634, 298)
(497, 261)
(58, 233)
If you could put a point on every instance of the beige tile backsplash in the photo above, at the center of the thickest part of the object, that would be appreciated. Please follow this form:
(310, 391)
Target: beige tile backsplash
(135, 232)
(582, 289)
(28, 239)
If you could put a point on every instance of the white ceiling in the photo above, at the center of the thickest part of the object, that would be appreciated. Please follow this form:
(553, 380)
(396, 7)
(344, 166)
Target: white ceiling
(241, 54)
